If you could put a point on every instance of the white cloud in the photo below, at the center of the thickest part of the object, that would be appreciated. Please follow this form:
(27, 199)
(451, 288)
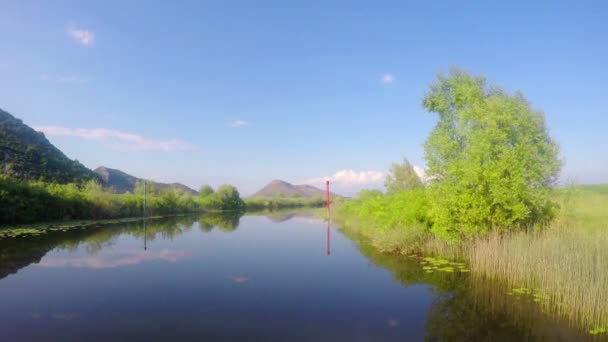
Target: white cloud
(420, 172)
(388, 78)
(349, 182)
(118, 139)
(239, 124)
(84, 37)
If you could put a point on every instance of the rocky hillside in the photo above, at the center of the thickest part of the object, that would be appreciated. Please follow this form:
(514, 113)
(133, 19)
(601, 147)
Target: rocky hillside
(281, 188)
(122, 182)
(27, 154)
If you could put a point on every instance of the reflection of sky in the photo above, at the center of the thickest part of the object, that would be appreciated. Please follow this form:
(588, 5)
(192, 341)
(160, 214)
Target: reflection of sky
(266, 279)
(116, 259)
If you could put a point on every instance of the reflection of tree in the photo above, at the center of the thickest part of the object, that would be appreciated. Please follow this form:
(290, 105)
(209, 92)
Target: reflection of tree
(204, 226)
(226, 221)
(17, 253)
(469, 308)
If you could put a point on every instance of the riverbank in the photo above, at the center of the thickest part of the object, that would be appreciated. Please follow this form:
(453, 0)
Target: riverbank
(567, 261)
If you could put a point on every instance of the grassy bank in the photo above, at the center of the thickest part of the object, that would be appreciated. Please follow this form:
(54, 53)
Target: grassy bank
(25, 202)
(567, 261)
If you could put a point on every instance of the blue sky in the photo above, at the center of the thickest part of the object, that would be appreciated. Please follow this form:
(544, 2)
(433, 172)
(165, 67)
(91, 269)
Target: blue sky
(244, 92)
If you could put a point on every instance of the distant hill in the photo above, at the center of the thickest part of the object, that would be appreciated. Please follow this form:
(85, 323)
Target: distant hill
(122, 182)
(27, 154)
(282, 188)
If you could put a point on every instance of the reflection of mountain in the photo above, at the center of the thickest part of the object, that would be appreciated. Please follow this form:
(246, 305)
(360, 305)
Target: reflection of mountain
(18, 253)
(279, 216)
(469, 308)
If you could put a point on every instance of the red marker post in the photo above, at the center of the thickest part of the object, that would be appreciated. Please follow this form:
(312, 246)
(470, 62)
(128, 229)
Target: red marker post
(327, 202)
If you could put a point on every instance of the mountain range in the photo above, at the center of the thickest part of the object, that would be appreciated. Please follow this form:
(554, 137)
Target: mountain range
(121, 182)
(282, 188)
(27, 154)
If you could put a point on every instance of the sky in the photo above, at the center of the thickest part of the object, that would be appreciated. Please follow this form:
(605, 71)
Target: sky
(244, 92)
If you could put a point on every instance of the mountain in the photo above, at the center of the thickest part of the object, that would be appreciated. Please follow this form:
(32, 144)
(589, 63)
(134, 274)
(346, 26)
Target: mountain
(27, 154)
(279, 187)
(122, 182)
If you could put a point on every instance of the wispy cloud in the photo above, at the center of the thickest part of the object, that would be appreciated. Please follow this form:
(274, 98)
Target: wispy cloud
(62, 78)
(388, 78)
(118, 139)
(84, 37)
(239, 124)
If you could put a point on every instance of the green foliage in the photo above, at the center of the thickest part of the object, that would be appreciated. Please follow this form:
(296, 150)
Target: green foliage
(225, 198)
(27, 202)
(205, 191)
(402, 178)
(491, 158)
(395, 222)
(27, 154)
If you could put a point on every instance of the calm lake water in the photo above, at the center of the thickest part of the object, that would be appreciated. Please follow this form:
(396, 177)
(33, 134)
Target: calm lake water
(254, 278)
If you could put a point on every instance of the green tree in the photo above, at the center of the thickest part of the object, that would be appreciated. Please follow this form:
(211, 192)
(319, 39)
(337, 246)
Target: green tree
(491, 158)
(402, 177)
(205, 191)
(229, 198)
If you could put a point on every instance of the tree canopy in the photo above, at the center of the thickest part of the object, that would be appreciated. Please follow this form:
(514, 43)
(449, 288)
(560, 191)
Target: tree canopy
(205, 190)
(402, 177)
(491, 158)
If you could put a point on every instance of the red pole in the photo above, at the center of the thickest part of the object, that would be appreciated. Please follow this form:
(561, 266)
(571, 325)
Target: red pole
(327, 193)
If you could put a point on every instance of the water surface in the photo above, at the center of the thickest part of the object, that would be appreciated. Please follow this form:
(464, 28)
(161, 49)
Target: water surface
(255, 278)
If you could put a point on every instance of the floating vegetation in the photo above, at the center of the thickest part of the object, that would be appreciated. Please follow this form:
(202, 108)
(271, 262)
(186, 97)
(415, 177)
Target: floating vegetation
(431, 264)
(599, 330)
(42, 229)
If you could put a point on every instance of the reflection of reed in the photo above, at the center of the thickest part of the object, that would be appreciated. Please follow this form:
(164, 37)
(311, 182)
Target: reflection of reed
(467, 307)
(528, 308)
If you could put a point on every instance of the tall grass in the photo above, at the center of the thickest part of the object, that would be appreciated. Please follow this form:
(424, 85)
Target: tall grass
(567, 261)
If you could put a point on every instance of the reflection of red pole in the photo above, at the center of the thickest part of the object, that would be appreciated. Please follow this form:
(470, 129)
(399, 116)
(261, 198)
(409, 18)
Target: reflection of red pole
(327, 238)
(327, 192)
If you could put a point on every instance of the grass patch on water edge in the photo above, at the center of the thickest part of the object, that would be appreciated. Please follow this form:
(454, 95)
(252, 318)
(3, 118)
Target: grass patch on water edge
(20, 231)
(564, 266)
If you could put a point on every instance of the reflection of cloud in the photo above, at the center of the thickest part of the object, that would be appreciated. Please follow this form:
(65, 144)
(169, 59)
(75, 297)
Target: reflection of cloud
(240, 279)
(128, 257)
(64, 316)
(393, 322)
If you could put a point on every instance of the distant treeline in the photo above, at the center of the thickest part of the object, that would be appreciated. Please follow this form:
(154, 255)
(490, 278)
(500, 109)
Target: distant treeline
(281, 202)
(33, 201)
(24, 201)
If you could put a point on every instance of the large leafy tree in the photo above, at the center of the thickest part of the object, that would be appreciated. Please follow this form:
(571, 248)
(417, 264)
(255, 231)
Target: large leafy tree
(491, 158)
(402, 177)
(205, 190)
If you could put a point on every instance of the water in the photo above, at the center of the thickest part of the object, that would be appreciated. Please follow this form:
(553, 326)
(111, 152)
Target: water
(260, 278)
